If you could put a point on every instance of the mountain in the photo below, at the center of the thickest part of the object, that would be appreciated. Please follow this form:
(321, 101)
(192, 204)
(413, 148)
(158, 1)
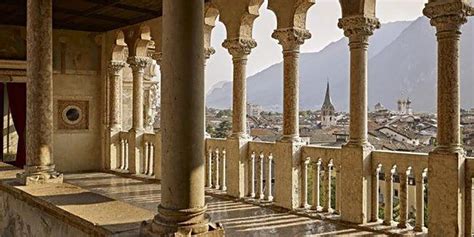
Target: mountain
(402, 62)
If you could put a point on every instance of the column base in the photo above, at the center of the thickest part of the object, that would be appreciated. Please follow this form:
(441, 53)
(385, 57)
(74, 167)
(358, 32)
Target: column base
(191, 222)
(291, 139)
(242, 136)
(39, 175)
(147, 229)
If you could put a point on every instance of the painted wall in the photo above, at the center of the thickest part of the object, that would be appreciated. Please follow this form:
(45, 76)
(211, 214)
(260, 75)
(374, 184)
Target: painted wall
(77, 76)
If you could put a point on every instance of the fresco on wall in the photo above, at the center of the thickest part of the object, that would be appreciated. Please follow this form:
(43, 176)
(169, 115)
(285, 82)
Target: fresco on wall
(13, 44)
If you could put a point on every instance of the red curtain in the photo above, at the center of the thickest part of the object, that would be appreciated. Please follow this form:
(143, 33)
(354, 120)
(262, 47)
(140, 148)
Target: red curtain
(2, 112)
(17, 103)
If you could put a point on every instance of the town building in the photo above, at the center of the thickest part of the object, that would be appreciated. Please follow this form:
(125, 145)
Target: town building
(328, 112)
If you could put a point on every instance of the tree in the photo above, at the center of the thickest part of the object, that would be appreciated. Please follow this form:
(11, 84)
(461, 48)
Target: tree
(211, 130)
(222, 131)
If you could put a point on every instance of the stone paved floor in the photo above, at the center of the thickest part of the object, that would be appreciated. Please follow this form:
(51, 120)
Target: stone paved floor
(239, 219)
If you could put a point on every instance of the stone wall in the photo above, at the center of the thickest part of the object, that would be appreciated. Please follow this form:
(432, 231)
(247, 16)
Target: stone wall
(19, 219)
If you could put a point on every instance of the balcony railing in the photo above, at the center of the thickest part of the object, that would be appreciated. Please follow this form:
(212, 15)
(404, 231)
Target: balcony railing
(319, 176)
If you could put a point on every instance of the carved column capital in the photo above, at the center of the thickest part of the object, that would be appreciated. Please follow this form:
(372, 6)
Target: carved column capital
(239, 47)
(115, 67)
(138, 64)
(448, 16)
(208, 51)
(291, 38)
(358, 25)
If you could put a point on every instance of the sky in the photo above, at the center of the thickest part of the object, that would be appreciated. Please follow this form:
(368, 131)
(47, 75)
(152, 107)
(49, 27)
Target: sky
(321, 22)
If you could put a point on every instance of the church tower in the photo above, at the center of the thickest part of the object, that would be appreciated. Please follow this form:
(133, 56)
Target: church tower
(328, 113)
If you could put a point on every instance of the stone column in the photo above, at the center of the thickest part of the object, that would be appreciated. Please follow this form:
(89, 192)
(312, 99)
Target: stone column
(356, 169)
(115, 75)
(446, 162)
(358, 29)
(39, 166)
(208, 51)
(239, 48)
(291, 39)
(182, 210)
(138, 65)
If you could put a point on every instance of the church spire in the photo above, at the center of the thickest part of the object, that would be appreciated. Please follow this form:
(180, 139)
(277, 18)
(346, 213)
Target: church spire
(327, 100)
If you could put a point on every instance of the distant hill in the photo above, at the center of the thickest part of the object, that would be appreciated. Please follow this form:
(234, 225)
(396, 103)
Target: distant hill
(402, 62)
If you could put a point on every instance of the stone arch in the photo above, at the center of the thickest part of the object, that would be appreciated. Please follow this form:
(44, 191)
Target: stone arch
(143, 41)
(358, 8)
(138, 39)
(210, 16)
(119, 46)
(247, 20)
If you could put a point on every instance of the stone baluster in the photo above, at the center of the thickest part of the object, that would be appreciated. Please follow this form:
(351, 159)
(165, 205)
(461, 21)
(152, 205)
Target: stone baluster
(388, 216)
(39, 166)
(374, 214)
(123, 154)
(115, 75)
(182, 208)
(269, 195)
(304, 184)
(216, 169)
(328, 188)
(209, 169)
(224, 171)
(146, 158)
(252, 175)
(260, 177)
(403, 199)
(239, 48)
(446, 162)
(420, 201)
(151, 163)
(127, 147)
(316, 182)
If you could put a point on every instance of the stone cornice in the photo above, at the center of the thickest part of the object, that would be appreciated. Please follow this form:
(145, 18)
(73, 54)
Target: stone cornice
(358, 25)
(115, 67)
(291, 38)
(137, 63)
(239, 47)
(448, 16)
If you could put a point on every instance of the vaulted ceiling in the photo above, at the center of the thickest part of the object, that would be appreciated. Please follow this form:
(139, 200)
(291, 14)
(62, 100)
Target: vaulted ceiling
(86, 15)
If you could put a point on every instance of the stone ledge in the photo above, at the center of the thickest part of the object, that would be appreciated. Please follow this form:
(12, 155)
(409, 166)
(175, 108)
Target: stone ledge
(91, 213)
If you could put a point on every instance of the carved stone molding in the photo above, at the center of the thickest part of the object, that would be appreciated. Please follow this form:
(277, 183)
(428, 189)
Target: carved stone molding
(239, 47)
(137, 63)
(115, 67)
(448, 16)
(291, 38)
(73, 115)
(358, 25)
(208, 51)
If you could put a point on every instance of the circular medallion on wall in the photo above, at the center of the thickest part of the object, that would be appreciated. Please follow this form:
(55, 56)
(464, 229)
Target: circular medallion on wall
(73, 115)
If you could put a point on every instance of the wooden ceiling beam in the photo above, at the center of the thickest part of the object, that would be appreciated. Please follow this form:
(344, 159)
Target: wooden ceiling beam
(91, 11)
(94, 16)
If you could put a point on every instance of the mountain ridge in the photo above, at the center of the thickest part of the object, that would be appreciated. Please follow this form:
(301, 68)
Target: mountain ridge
(402, 62)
